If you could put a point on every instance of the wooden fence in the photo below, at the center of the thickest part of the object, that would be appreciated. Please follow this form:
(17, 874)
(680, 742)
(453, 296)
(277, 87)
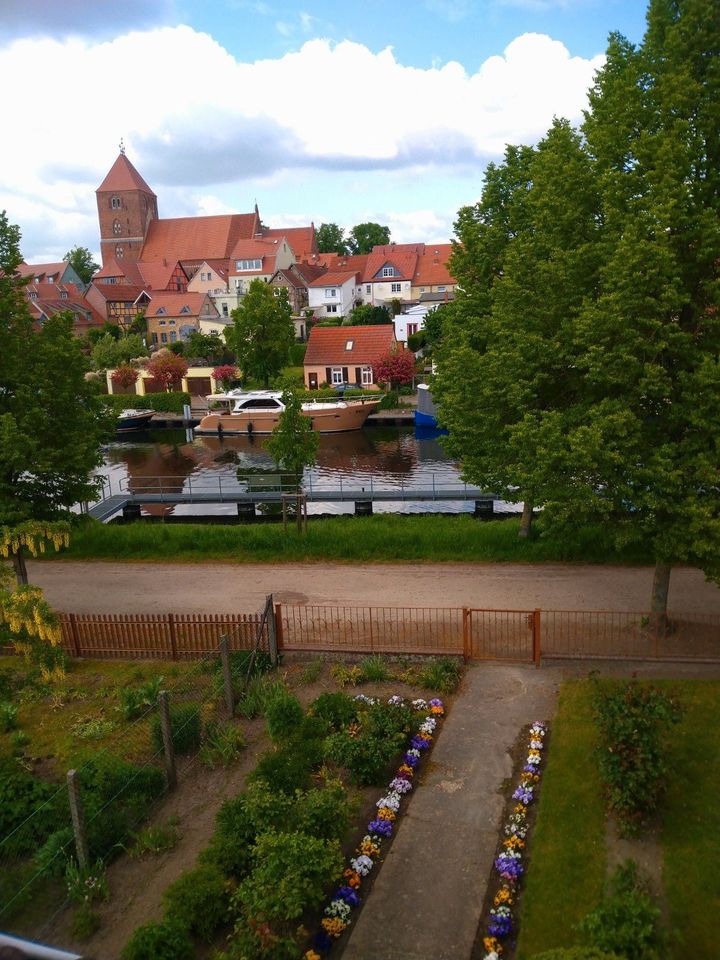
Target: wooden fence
(158, 636)
(475, 634)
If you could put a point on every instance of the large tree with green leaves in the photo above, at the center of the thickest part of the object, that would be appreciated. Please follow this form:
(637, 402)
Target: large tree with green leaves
(294, 443)
(52, 421)
(331, 238)
(81, 260)
(364, 236)
(262, 331)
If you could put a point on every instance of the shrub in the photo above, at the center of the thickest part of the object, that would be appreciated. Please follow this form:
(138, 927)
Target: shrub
(250, 942)
(185, 723)
(390, 400)
(323, 812)
(154, 839)
(8, 717)
(18, 741)
(442, 674)
(161, 402)
(288, 769)
(222, 744)
(51, 858)
(291, 874)
(633, 718)
(29, 811)
(199, 899)
(296, 354)
(375, 670)
(134, 701)
(259, 693)
(337, 709)
(344, 675)
(311, 672)
(626, 921)
(367, 758)
(159, 941)
(284, 716)
(243, 665)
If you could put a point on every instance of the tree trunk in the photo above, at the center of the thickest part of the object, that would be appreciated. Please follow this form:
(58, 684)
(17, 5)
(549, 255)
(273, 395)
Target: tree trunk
(660, 588)
(18, 559)
(526, 521)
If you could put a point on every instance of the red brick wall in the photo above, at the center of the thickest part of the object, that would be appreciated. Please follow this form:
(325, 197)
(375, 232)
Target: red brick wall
(126, 225)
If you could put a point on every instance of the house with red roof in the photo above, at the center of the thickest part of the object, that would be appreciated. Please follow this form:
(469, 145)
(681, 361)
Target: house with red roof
(47, 299)
(334, 294)
(257, 259)
(174, 316)
(118, 303)
(389, 274)
(337, 355)
(433, 281)
(62, 273)
(296, 279)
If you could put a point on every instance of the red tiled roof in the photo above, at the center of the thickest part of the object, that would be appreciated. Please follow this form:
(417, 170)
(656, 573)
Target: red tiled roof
(197, 238)
(172, 304)
(301, 239)
(42, 269)
(432, 267)
(123, 176)
(118, 292)
(403, 262)
(307, 271)
(327, 345)
(389, 248)
(52, 290)
(128, 269)
(334, 278)
(254, 249)
(156, 275)
(51, 303)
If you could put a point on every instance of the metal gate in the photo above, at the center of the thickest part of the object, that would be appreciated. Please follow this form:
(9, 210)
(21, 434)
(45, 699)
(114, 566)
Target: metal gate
(509, 635)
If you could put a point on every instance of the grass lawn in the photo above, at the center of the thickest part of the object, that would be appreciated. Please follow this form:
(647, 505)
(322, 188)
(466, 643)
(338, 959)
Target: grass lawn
(429, 538)
(567, 848)
(567, 851)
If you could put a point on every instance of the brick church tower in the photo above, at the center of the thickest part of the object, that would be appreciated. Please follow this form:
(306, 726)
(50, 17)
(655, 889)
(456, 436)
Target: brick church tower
(126, 206)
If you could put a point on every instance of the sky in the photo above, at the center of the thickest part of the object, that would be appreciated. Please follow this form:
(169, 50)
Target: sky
(343, 112)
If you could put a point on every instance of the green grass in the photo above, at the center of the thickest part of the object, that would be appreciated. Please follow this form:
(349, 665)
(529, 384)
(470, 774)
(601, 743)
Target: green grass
(691, 812)
(385, 537)
(567, 848)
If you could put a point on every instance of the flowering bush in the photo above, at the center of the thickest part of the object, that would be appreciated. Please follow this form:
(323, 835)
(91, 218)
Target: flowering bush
(346, 897)
(509, 862)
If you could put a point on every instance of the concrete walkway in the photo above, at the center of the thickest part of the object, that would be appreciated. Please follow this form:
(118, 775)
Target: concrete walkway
(427, 899)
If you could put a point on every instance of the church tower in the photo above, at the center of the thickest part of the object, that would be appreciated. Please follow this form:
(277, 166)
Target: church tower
(126, 206)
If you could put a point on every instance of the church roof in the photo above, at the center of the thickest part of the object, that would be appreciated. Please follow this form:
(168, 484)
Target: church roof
(197, 238)
(123, 176)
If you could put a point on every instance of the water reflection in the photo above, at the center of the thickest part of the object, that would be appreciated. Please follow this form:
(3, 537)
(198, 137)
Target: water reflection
(388, 455)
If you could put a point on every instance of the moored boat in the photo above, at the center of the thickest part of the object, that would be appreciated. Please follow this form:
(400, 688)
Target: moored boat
(129, 420)
(258, 411)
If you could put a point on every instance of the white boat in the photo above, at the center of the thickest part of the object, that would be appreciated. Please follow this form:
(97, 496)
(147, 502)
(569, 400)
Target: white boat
(129, 420)
(258, 411)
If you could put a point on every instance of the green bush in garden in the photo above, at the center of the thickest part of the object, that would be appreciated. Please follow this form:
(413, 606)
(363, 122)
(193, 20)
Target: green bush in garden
(29, 810)
(284, 716)
(159, 941)
(199, 899)
(338, 709)
(633, 719)
(185, 723)
(288, 769)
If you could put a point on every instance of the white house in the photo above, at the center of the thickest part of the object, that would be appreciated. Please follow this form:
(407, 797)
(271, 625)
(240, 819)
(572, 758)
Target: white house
(333, 295)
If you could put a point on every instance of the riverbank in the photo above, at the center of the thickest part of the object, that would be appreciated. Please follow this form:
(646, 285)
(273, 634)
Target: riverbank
(424, 538)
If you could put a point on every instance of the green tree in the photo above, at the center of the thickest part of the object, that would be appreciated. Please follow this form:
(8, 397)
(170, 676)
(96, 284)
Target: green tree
(364, 236)
(52, 421)
(109, 352)
(209, 347)
(262, 332)
(331, 238)
(366, 315)
(293, 443)
(81, 260)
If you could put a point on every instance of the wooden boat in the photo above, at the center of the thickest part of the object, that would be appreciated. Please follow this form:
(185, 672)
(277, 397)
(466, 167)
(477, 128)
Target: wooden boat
(258, 411)
(130, 420)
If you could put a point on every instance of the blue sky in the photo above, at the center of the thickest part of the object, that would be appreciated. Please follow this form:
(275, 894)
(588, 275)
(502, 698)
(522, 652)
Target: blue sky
(318, 111)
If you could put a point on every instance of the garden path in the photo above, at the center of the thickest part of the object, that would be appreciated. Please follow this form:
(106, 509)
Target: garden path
(427, 899)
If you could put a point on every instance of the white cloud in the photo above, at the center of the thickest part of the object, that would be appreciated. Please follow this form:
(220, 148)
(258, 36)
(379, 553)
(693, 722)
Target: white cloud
(201, 118)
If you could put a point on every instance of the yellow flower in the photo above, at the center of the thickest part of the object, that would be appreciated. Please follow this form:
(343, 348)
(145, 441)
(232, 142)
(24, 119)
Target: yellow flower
(385, 813)
(311, 955)
(334, 926)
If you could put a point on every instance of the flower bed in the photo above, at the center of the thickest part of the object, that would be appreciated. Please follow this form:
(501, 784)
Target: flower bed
(509, 865)
(379, 829)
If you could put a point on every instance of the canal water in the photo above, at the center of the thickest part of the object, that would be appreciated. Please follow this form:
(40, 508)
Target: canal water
(391, 456)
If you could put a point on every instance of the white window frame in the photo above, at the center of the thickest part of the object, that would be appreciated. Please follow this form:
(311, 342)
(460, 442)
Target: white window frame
(247, 265)
(388, 271)
(336, 376)
(331, 308)
(331, 292)
(395, 288)
(366, 376)
(349, 344)
(368, 288)
(115, 203)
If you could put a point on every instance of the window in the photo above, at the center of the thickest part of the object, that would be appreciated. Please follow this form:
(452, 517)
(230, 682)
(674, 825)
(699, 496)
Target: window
(115, 203)
(412, 328)
(225, 310)
(154, 338)
(366, 376)
(185, 309)
(119, 252)
(160, 312)
(331, 292)
(350, 344)
(331, 308)
(422, 289)
(388, 271)
(63, 294)
(163, 322)
(441, 289)
(173, 336)
(336, 375)
(163, 338)
(117, 228)
(209, 275)
(368, 288)
(171, 322)
(395, 287)
(248, 264)
(33, 295)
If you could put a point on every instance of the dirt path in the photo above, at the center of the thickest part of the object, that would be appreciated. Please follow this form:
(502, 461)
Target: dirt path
(101, 587)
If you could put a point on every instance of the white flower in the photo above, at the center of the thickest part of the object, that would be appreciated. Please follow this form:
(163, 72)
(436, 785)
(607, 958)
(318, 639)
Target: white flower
(339, 909)
(392, 801)
(536, 744)
(419, 704)
(412, 752)
(396, 701)
(362, 865)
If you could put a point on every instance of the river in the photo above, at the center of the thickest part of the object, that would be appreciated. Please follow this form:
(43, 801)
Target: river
(389, 455)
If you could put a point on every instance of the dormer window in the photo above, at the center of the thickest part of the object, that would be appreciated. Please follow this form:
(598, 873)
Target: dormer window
(115, 203)
(63, 295)
(160, 312)
(248, 264)
(32, 295)
(349, 344)
(388, 271)
(184, 309)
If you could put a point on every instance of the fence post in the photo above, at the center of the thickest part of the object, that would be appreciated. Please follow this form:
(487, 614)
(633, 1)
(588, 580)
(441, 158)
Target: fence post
(74, 635)
(278, 630)
(466, 634)
(78, 820)
(169, 751)
(536, 637)
(173, 635)
(227, 674)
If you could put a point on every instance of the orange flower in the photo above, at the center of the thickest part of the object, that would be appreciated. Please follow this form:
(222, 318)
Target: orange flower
(514, 843)
(333, 926)
(311, 955)
(354, 879)
(406, 769)
(385, 813)
(369, 849)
